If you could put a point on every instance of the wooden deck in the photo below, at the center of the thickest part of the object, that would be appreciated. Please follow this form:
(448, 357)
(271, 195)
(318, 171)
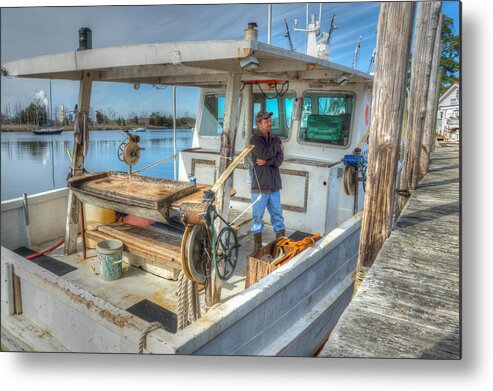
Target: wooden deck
(409, 303)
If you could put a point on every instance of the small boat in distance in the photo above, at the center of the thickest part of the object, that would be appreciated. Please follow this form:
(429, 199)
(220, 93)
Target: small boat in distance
(42, 131)
(139, 130)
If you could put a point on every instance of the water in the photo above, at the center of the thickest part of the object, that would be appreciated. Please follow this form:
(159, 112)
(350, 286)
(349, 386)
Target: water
(33, 164)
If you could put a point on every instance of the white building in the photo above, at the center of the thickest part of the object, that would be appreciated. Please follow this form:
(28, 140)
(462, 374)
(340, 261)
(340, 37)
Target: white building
(448, 114)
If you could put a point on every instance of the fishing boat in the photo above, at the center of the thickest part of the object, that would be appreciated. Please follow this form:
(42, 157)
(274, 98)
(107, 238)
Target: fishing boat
(60, 302)
(139, 130)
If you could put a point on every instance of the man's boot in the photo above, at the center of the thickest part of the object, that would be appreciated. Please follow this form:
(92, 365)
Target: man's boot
(280, 234)
(257, 242)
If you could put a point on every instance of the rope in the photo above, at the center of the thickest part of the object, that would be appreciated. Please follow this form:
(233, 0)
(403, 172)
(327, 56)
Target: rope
(188, 302)
(181, 304)
(153, 326)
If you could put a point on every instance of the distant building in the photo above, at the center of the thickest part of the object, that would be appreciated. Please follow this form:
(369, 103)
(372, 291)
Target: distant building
(62, 113)
(448, 114)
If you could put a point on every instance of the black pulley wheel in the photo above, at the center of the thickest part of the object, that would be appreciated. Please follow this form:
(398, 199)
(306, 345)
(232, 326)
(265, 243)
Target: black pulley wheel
(226, 253)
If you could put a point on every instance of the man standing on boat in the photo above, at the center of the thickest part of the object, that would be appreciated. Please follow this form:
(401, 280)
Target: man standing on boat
(267, 157)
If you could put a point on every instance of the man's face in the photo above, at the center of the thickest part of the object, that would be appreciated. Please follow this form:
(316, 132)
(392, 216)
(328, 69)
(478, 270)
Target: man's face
(265, 125)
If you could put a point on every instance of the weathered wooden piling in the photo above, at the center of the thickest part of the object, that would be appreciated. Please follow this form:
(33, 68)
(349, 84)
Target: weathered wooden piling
(431, 104)
(425, 31)
(393, 44)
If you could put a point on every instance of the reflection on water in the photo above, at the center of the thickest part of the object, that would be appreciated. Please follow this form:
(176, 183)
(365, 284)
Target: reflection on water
(33, 164)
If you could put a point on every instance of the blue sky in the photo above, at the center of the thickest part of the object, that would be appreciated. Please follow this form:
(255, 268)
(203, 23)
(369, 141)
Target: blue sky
(22, 36)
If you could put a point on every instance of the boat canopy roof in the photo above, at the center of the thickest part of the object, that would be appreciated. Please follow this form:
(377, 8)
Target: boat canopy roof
(192, 63)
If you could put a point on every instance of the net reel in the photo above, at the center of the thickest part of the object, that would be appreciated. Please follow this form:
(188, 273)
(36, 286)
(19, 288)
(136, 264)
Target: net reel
(129, 150)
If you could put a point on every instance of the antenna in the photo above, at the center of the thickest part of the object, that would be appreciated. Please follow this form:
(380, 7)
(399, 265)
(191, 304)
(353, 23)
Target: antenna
(312, 30)
(372, 59)
(356, 52)
(332, 28)
(288, 36)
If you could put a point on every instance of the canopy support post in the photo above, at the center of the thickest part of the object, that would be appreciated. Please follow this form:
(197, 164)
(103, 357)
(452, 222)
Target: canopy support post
(81, 143)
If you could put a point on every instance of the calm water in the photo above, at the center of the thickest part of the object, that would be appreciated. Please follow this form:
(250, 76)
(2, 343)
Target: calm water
(33, 164)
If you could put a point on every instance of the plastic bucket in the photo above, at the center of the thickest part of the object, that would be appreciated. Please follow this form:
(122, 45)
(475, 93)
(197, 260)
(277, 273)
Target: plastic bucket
(110, 259)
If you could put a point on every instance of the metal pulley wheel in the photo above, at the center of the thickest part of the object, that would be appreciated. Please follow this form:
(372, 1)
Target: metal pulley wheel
(193, 252)
(129, 153)
(226, 250)
(349, 178)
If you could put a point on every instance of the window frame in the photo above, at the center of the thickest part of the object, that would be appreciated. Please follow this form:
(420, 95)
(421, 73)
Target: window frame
(351, 125)
(290, 129)
(201, 110)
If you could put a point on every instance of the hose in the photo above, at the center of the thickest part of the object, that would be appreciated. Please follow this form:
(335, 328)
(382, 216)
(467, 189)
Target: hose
(48, 250)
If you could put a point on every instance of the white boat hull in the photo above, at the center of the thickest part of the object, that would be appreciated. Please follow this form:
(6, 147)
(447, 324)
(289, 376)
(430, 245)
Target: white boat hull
(290, 312)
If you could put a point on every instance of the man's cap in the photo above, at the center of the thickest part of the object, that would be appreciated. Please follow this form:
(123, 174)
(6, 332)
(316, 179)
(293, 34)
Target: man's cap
(263, 115)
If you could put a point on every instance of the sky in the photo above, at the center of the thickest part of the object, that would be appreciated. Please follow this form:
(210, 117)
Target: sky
(23, 36)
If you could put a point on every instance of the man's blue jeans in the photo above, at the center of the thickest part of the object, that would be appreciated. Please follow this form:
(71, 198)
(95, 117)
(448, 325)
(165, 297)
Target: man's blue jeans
(273, 203)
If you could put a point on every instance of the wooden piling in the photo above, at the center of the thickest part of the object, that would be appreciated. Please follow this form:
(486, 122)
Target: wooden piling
(77, 168)
(431, 105)
(424, 42)
(393, 44)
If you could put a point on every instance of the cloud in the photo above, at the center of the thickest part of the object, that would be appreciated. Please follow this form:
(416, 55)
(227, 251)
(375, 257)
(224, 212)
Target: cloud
(40, 96)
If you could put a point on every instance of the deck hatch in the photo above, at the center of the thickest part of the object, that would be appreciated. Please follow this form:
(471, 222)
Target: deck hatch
(152, 312)
(53, 265)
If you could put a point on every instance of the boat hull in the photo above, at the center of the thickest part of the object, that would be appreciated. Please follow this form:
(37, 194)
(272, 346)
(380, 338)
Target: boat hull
(288, 313)
(41, 132)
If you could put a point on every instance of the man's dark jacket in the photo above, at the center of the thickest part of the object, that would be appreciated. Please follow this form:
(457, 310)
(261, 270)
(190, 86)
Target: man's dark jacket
(266, 176)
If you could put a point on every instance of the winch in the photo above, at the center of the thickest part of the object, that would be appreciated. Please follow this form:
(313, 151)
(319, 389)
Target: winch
(203, 249)
(129, 150)
(355, 164)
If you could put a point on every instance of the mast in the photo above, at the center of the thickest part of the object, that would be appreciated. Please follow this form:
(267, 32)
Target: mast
(51, 105)
(356, 51)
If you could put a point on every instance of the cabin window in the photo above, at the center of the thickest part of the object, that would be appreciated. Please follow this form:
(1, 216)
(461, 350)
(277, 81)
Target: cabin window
(212, 120)
(281, 106)
(326, 118)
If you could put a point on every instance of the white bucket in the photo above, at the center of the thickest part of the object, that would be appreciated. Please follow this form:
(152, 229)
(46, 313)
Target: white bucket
(110, 259)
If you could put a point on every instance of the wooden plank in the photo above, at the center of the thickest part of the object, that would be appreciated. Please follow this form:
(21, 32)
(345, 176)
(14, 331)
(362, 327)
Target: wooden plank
(229, 170)
(17, 295)
(160, 214)
(8, 286)
(151, 244)
(163, 260)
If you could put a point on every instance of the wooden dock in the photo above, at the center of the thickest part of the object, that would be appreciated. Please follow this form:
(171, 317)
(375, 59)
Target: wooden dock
(408, 306)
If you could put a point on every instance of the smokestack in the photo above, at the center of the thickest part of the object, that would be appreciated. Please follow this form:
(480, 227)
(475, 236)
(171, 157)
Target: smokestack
(251, 32)
(85, 38)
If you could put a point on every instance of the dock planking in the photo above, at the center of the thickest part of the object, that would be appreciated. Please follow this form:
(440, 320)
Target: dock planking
(408, 306)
